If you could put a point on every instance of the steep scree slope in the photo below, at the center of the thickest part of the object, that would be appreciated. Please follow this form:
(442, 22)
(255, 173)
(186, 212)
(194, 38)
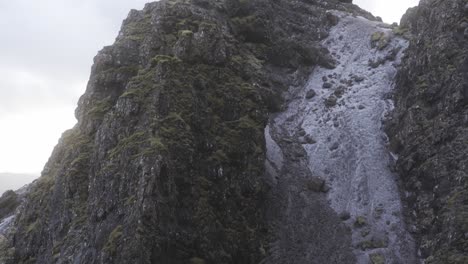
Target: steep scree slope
(332, 129)
(166, 163)
(429, 129)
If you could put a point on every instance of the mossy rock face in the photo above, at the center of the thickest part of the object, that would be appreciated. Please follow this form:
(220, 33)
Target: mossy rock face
(252, 28)
(8, 203)
(427, 131)
(6, 252)
(100, 108)
(113, 240)
(166, 162)
(160, 59)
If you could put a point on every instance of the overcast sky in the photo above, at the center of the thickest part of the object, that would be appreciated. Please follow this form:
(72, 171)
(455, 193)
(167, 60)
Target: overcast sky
(390, 10)
(46, 51)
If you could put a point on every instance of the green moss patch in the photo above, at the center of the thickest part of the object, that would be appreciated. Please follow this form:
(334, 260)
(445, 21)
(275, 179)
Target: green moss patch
(379, 40)
(113, 240)
(377, 258)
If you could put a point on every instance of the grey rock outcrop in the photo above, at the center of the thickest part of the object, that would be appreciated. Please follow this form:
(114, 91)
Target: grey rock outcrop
(429, 129)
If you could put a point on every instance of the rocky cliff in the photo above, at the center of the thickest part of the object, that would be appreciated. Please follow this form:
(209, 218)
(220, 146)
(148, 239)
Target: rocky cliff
(250, 131)
(429, 129)
(166, 163)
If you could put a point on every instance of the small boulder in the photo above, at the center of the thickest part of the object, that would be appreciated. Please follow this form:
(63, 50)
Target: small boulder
(377, 258)
(376, 63)
(344, 215)
(327, 61)
(360, 221)
(326, 188)
(358, 79)
(331, 101)
(327, 85)
(332, 19)
(465, 33)
(340, 91)
(307, 140)
(299, 153)
(334, 146)
(315, 184)
(310, 94)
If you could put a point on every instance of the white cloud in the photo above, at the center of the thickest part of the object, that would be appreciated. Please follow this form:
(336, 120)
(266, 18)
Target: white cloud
(28, 137)
(46, 53)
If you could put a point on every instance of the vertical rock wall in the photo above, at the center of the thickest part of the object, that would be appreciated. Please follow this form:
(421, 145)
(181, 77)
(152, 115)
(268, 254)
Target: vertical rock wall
(429, 130)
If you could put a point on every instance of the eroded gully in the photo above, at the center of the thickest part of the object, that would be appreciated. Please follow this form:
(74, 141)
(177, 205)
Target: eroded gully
(333, 190)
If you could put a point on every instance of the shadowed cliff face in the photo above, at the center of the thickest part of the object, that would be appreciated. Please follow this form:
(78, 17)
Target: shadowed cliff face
(166, 163)
(429, 129)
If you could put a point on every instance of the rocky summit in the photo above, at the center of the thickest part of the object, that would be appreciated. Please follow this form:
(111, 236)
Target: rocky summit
(260, 131)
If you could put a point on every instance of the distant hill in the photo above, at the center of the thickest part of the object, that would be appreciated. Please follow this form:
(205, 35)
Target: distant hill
(13, 181)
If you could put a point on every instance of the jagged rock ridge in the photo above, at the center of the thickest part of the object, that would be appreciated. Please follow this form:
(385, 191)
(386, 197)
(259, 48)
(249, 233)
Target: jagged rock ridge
(166, 163)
